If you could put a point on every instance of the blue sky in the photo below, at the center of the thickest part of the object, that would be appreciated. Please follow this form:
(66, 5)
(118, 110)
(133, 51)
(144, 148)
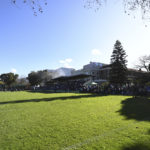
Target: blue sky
(67, 34)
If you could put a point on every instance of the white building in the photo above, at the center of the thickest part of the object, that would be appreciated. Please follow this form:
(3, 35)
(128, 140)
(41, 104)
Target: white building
(93, 69)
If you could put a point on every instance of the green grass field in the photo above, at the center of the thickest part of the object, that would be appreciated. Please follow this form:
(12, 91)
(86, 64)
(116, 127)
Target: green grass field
(66, 121)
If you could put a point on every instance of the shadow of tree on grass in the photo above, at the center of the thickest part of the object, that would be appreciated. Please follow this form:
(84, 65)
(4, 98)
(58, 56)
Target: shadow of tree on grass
(140, 145)
(136, 108)
(54, 91)
(49, 99)
(149, 132)
(137, 146)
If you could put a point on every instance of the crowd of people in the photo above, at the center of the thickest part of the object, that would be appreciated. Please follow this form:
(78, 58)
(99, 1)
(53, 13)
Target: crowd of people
(124, 90)
(78, 86)
(69, 86)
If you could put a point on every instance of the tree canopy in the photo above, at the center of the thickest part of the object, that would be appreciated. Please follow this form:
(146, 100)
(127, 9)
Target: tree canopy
(118, 72)
(39, 77)
(8, 78)
(33, 78)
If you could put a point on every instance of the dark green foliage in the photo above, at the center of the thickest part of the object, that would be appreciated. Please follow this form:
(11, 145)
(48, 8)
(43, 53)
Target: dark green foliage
(9, 78)
(44, 75)
(33, 78)
(118, 72)
(142, 79)
(36, 78)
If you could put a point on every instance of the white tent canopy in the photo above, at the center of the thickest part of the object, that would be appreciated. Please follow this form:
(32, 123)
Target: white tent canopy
(88, 83)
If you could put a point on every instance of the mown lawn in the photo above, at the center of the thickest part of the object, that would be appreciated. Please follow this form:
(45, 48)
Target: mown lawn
(66, 121)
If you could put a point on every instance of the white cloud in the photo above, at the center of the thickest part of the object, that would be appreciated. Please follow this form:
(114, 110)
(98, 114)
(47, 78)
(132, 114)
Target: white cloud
(13, 70)
(69, 60)
(61, 61)
(95, 52)
(66, 62)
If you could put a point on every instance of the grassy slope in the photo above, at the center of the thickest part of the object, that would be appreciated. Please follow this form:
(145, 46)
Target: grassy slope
(68, 121)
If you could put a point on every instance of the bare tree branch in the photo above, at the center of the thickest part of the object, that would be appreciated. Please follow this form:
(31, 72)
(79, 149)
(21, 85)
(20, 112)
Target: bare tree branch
(35, 5)
(144, 63)
(129, 5)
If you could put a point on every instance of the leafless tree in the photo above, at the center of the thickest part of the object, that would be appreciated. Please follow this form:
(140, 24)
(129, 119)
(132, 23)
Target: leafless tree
(35, 5)
(129, 5)
(144, 63)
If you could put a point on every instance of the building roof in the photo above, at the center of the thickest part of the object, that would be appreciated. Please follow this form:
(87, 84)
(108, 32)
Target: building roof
(73, 77)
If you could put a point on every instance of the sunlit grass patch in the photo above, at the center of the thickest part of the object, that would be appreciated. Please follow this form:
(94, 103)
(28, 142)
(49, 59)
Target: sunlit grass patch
(71, 121)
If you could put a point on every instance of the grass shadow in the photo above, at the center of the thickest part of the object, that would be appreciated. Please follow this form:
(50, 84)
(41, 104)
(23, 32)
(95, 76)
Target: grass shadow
(140, 145)
(137, 146)
(53, 91)
(136, 108)
(49, 99)
(149, 131)
(40, 91)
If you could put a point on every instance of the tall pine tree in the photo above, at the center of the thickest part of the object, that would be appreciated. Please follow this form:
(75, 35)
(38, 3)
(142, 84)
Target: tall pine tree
(118, 72)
